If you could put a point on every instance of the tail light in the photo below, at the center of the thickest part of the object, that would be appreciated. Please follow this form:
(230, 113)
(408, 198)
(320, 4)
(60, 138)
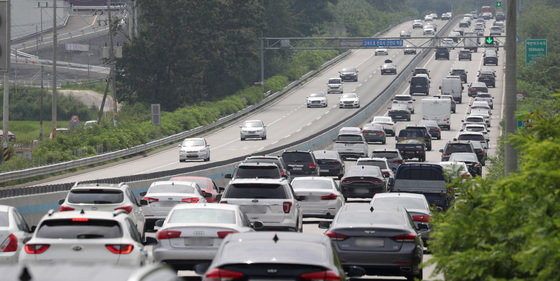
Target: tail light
(477, 165)
(421, 218)
(36, 248)
(66, 208)
(151, 200)
(410, 102)
(398, 161)
(380, 133)
(167, 234)
(223, 202)
(320, 276)
(336, 236)
(282, 173)
(395, 101)
(223, 234)
(189, 200)
(9, 244)
(80, 219)
(420, 151)
(329, 197)
(386, 173)
(364, 132)
(405, 237)
(402, 262)
(445, 155)
(128, 209)
(287, 206)
(218, 274)
(120, 249)
(311, 165)
(437, 129)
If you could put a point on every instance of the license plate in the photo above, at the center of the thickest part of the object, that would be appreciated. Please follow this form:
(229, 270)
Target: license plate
(254, 209)
(361, 190)
(198, 241)
(297, 168)
(324, 170)
(369, 242)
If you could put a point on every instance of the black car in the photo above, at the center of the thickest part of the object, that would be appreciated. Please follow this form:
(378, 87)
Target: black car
(433, 128)
(420, 83)
(480, 152)
(349, 74)
(393, 156)
(490, 57)
(416, 132)
(362, 182)
(477, 87)
(488, 77)
(455, 146)
(270, 159)
(374, 133)
(330, 163)
(399, 111)
(459, 72)
(442, 53)
(411, 148)
(300, 163)
(252, 170)
(465, 55)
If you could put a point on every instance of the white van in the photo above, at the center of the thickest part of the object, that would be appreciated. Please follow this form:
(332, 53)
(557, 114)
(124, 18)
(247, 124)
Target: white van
(451, 85)
(438, 110)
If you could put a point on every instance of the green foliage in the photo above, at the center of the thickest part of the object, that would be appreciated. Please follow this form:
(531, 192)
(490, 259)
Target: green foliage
(97, 86)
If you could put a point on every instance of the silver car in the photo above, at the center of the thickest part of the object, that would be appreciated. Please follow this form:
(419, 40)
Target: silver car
(192, 233)
(318, 196)
(388, 67)
(194, 148)
(252, 129)
(380, 241)
(13, 233)
(317, 100)
(349, 100)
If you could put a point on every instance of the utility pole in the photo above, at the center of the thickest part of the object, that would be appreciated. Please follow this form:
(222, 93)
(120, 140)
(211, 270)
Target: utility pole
(53, 132)
(510, 154)
(41, 6)
(112, 62)
(5, 51)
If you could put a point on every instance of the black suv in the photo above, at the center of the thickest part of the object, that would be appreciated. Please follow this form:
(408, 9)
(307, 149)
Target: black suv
(330, 163)
(490, 57)
(256, 170)
(420, 84)
(459, 72)
(455, 146)
(416, 132)
(270, 159)
(420, 70)
(488, 77)
(442, 53)
(300, 163)
(477, 87)
(349, 74)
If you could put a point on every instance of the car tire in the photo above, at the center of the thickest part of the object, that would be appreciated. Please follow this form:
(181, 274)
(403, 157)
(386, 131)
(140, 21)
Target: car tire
(263, 138)
(242, 138)
(181, 160)
(384, 141)
(439, 137)
(422, 159)
(414, 277)
(408, 118)
(207, 159)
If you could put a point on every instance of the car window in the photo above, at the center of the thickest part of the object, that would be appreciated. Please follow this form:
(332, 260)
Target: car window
(376, 163)
(253, 124)
(20, 221)
(458, 148)
(296, 157)
(386, 154)
(472, 137)
(96, 196)
(256, 190)
(131, 197)
(402, 98)
(79, 228)
(133, 231)
(349, 138)
(191, 142)
(171, 189)
(199, 215)
(412, 173)
(265, 172)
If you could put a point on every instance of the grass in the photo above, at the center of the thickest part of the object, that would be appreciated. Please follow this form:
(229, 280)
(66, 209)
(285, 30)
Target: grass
(95, 86)
(27, 131)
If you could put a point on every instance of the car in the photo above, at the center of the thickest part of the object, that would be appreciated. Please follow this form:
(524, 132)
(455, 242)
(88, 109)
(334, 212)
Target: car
(420, 83)
(473, 136)
(447, 43)
(496, 31)
(270, 159)
(405, 99)
(87, 237)
(479, 29)
(429, 17)
(442, 53)
(349, 74)
(11, 136)
(482, 112)
(349, 100)
(318, 99)
(417, 132)
(362, 182)
(381, 241)
(207, 185)
(162, 196)
(459, 30)
(405, 34)
(459, 72)
(412, 148)
(294, 256)
(374, 133)
(253, 170)
(500, 16)
(388, 67)
(485, 97)
(383, 164)
(194, 148)
(334, 85)
(252, 129)
(192, 233)
(477, 128)
(399, 111)
(393, 156)
(90, 123)
(415, 204)
(433, 128)
(432, 25)
(300, 163)
(488, 77)
(318, 197)
(477, 87)
(490, 57)
(429, 30)
(417, 24)
(351, 144)
(456, 36)
(63, 131)
(481, 152)
(104, 197)
(409, 50)
(480, 104)
(14, 232)
(454, 170)
(474, 119)
(330, 163)
(455, 146)
(270, 201)
(469, 158)
(464, 23)
(387, 122)
(421, 70)
(452, 85)
(381, 52)
(446, 16)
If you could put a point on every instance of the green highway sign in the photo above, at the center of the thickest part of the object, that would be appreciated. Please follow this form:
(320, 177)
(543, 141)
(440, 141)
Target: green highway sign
(489, 40)
(534, 48)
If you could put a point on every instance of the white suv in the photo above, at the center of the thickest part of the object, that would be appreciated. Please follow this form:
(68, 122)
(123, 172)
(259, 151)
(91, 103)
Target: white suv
(271, 201)
(405, 99)
(334, 85)
(351, 145)
(87, 237)
(104, 197)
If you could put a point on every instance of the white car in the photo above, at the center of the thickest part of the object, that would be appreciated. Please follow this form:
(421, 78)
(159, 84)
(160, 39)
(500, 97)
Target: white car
(447, 42)
(405, 34)
(252, 129)
(349, 100)
(480, 104)
(192, 233)
(409, 50)
(429, 17)
(388, 67)
(417, 24)
(13, 232)
(318, 196)
(104, 197)
(87, 237)
(194, 148)
(482, 112)
(381, 52)
(429, 30)
(485, 97)
(405, 99)
(473, 136)
(477, 128)
(317, 100)
(162, 196)
(387, 122)
(453, 170)
(334, 85)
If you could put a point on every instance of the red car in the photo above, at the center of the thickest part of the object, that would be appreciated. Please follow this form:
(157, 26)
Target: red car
(206, 184)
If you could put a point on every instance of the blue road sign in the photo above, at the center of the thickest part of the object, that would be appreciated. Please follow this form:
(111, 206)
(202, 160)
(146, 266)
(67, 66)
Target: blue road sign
(383, 43)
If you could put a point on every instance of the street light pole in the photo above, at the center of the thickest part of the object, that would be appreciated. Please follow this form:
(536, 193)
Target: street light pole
(54, 71)
(510, 154)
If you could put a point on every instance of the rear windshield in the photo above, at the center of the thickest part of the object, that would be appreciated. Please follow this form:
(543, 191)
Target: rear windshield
(475, 129)
(471, 137)
(411, 134)
(79, 228)
(420, 173)
(406, 202)
(265, 172)
(257, 190)
(264, 160)
(402, 98)
(376, 163)
(96, 196)
(202, 216)
(4, 221)
(418, 80)
(481, 95)
(349, 138)
(385, 154)
(171, 189)
(300, 157)
(458, 148)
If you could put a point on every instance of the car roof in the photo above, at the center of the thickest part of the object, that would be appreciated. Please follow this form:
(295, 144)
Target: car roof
(362, 170)
(315, 178)
(365, 215)
(173, 182)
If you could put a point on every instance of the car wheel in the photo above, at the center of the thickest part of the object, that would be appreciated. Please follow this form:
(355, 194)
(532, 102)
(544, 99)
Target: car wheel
(207, 159)
(242, 138)
(408, 118)
(264, 138)
(384, 141)
(439, 137)
(181, 160)
(422, 159)
(413, 277)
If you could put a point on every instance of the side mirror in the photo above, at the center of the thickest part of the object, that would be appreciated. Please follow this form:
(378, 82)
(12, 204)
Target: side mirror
(201, 268)
(61, 201)
(150, 241)
(143, 193)
(221, 188)
(218, 197)
(324, 224)
(143, 202)
(159, 223)
(33, 228)
(257, 225)
(207, 195)
(440, 87)
(26, 239)
(441, 150)
(228, 176)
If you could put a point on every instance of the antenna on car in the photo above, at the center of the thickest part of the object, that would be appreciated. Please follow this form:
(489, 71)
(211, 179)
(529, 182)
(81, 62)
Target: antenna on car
(371, 209)
(275, 238)
(25, 276)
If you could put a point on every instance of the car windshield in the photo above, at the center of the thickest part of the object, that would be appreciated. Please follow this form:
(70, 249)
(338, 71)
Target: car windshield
(95, 196)
(188, 143)
(418, 80)
(459, 147)
(463, 157)
(382, 119)
(292, 157)
(199, 215)
(299, 183)
(403, 98)
(349, 96)
(256, 190)
(171, 189)
(334, 81)
(79, 228)
(471, 137)
(474, 128)
(391, 202)
(475, 119)
(349, 138)
(253, 124)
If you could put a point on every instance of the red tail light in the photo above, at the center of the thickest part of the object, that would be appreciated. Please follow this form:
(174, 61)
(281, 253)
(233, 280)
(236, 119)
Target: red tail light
(398, 161)
(395, 101)
(223, 202)
(477, 165)
(320, 276)
(421, 218)
(405, 237)
(364, 132)
(151, 200)
(402, 262)
(36, 248)
(9, 244)
(223, 234)
(329, 197)
(311, 166)
(386, 173)
(65, 208)
(409, 102)
(437, 129)
(336, 237)
(282, 173)
(80, 219)
(128, 209)
(190, 200)
(167, 234)
(218, 274)
(446, 155)
(380, 133)
(287, 206)
(120, 249)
